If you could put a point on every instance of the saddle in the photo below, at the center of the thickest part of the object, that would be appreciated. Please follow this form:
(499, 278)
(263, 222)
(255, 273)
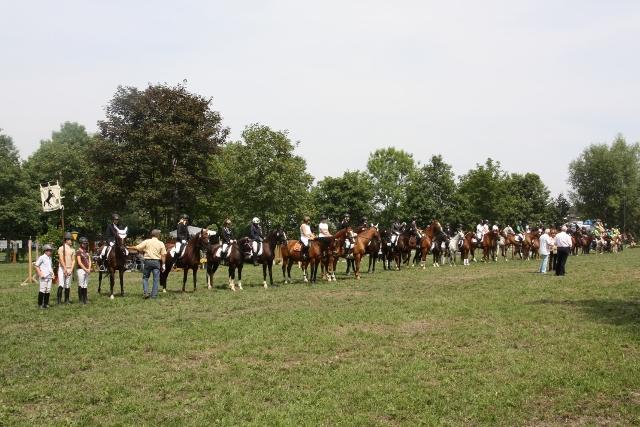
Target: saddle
(297, 247)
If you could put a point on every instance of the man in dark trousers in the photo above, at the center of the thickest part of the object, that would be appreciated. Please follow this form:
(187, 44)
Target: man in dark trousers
(563, 243)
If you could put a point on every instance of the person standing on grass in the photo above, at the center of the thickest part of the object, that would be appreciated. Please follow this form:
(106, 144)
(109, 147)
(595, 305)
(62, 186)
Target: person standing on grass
(83, 260)
(154, 258)
(563, 243)
(44, 269)
(545, 250)
(66, 262)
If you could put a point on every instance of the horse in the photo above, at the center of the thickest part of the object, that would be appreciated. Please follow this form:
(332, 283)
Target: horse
(468, 247)
(454, 247)
(360, 246)
(510, 240)
(490, 245)
(190, 259)
(267, 255)
(291, 252)
(116, 260)
(531, 244)
(234, 260)
(432, 236)
(386, 248)
(373, 248)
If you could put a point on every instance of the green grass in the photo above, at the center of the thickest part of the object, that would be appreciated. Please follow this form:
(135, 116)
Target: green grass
(482, 345)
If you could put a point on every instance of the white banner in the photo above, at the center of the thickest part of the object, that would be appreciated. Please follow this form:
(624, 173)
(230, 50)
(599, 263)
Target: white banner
(51, 198)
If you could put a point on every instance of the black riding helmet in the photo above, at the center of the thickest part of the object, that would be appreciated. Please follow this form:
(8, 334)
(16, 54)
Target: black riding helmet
(115, 217)
(184, 216)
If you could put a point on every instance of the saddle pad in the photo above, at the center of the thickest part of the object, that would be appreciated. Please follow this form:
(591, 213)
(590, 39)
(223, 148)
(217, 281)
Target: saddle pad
(297, 246)
(219, 252)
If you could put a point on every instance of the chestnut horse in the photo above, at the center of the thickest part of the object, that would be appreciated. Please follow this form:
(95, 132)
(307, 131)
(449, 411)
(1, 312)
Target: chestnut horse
(531, 244)
(291, 252)
(360, 246)
(339, 250)
(190, 259)
(468, 247)
(115, 261)
(433, 234)
(490, 245)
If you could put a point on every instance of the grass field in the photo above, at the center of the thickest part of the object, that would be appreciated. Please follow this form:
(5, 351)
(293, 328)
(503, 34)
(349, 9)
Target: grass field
(482, 345)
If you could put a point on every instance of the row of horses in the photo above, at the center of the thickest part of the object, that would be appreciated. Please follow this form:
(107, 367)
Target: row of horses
(324, 253)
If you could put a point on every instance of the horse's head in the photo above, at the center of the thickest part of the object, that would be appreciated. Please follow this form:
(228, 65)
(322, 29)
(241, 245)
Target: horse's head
(281, 237)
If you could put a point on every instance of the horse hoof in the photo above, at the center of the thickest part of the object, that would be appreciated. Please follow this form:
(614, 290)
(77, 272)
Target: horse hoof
(209, 287)
(111, 297)
(264, 284)
(164, 290)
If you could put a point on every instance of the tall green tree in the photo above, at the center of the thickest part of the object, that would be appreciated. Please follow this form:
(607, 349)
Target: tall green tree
(260, 175)
(20, 207)
(482, 190)
(390, 170)
(153, 152)
(606, 183)
(524, 197)
(431, 192)
(65, 157)
(560, 209)
(350, 193)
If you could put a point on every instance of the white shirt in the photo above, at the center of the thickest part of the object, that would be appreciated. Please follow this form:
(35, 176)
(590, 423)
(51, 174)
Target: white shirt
(479, 228)
(323, 229)
(305, 230)
(44, 264)
(545, 244)
(563, 240)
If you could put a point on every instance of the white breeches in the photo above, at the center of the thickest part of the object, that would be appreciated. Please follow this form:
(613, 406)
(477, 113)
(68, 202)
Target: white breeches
(64, 281)
(394, 239)
(83, 278)
(304, 240)
(45, 285)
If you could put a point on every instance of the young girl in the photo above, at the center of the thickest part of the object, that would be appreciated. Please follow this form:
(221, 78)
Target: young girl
(44, 268)
(83, 260)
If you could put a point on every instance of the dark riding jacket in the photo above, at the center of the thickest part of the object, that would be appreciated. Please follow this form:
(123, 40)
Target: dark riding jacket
(183, 232)
(111, 233)
(414, 228)
(344, 224)
(255, 233)
(396, 228)
(227, 235)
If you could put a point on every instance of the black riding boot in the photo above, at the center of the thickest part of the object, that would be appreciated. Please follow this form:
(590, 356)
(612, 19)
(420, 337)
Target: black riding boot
(80, 297)
(59, 296)
(67, 291)
(254, 257)
(40, 299)
(85, 299)
(46, 300)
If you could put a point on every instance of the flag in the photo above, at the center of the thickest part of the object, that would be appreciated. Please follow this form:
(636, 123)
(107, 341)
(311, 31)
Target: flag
(51, 198)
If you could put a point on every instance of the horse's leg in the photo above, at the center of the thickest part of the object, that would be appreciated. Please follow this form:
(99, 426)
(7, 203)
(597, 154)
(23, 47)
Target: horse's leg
(195, 277)
(240, 274)
(185, 272)
(121, 271)
(111, 282)
(232, 276)
(99, 280)
(264, 275)
(285, 262)
(270, 266)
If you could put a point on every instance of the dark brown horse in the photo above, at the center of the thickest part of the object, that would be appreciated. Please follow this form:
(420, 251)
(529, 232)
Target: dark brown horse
(115, 261)
(431, 236)
(266, 257)
(490, 245)
(190, 259)
(531, 244)
(234, 260)
(468, 248)
(340, 250)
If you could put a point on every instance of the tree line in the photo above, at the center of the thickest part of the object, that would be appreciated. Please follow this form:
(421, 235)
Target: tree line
(163, 150)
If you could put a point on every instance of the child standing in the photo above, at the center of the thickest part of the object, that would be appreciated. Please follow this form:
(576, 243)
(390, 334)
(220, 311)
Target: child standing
(83, 261)
(67, 260)
(44, 268)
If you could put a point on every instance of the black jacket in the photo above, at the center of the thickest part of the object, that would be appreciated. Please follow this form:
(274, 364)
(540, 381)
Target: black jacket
(111, 233)
(397, 228)
(183, 232)
(255, 233)
(227, 235)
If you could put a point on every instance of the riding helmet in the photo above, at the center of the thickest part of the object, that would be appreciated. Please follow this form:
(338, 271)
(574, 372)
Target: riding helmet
(256, 220)
(227, 222)
(115, 217)
(184, 216)
(83, 240)
(47, 248)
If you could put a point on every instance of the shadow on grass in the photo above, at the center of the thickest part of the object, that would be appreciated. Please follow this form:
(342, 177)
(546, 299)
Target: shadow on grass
(612, 311)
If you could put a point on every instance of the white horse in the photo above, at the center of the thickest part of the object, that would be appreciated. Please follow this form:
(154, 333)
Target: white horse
(454, 248)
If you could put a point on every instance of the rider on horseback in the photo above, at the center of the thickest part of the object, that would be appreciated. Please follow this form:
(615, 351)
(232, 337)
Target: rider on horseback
(305, 236)
(396, 230)
(364, 224)
(182, 236)
(255, 234)
(415, 230)
(227, 237)
(323, 227)
(110, 236)
(345, 221)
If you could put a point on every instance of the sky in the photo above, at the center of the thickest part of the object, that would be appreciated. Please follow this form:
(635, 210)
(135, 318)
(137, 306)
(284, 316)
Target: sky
(527, 83)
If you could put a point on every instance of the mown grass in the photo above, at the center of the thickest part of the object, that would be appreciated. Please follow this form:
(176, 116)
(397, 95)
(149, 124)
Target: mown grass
(487, 344)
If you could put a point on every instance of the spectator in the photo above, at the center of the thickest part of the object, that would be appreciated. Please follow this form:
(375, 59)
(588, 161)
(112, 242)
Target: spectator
(563, 243)
(545, 250)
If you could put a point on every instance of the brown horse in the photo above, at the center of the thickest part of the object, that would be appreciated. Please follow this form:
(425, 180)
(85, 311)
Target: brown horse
(360, 246)
(432, 235)
(116, 261)
(531, 244)
(291, 252)
(490, 245)
(190, 259)
(339, 249)
(373, 248)
(234, 260)
(510, 241)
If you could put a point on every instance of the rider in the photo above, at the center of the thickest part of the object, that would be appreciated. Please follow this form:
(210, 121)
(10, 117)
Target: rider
(323, 227)
(461, 232)
(479, 229)
(305, 236)
(508, 230)
(227, 237)
(415, 230)
(396, 230)
(182, 235)
(255, 234)
(111, 235)
(345, 221)
(364, 223)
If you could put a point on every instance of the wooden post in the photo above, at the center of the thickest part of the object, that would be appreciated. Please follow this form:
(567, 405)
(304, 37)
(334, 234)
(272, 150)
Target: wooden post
(29, 278)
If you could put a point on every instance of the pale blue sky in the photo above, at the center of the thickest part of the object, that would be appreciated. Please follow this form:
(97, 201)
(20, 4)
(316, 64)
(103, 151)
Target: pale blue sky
(529, 83)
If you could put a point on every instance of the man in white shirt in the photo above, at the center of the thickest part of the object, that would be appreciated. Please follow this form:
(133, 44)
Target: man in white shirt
(545, 250)
(563, 243)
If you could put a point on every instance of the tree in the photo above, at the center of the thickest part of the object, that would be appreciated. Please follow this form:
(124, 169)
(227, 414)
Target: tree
(65, 157)
(560, 209)
(153, 152)
(482, 190)
(352, 192)
(261, 176)
(431, 192)
(524, 198)
(20, 207)
(390, 170)
(606, 183)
